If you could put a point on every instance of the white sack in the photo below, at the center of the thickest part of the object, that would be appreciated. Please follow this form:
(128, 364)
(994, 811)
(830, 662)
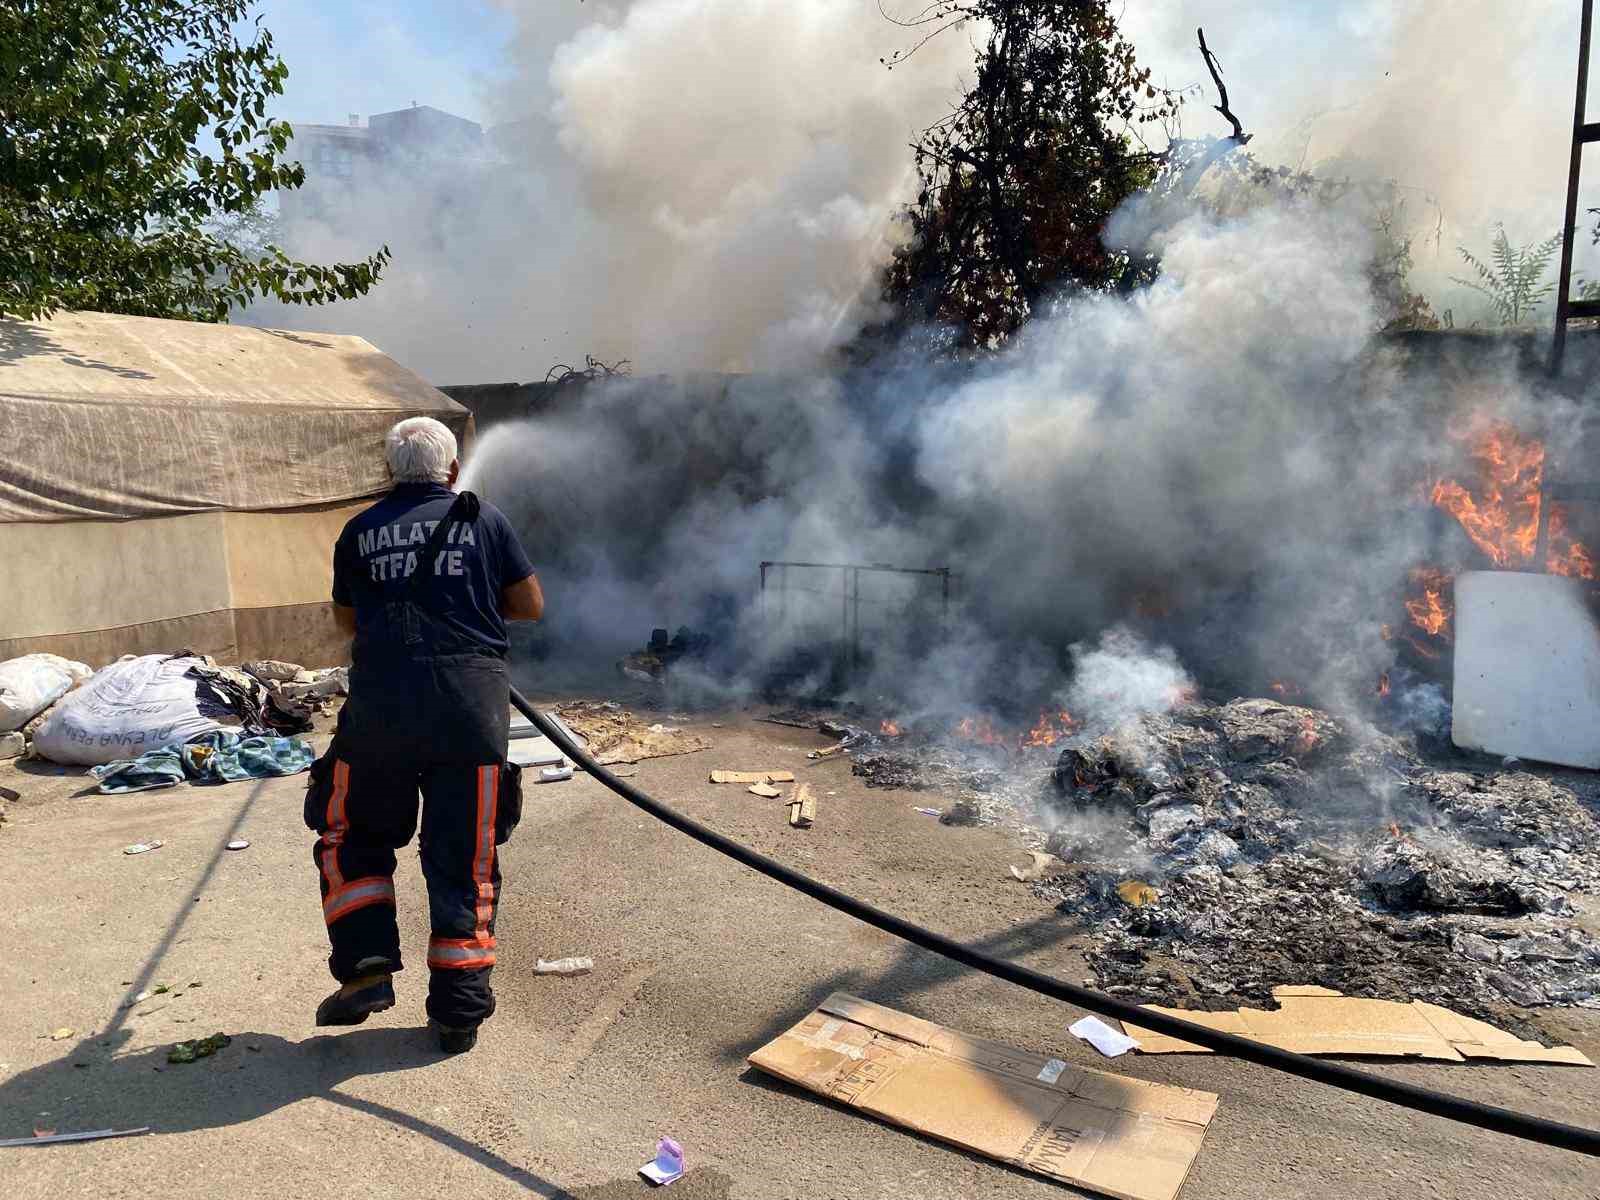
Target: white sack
(32, 683)
(134, 705)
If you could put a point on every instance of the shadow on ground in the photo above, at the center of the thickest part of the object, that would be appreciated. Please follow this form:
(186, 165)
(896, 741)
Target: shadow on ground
(914, 971)
(99, 1087)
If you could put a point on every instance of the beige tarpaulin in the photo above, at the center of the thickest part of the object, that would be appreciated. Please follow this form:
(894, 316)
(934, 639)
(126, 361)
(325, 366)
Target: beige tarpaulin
(111, 416)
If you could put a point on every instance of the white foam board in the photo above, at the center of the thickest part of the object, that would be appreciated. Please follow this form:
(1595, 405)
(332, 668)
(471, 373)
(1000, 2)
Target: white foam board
(534, 752)
(521, 727)
(1527, 667)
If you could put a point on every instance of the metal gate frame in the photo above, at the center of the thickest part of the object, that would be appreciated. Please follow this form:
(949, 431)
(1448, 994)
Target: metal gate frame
(850, 592)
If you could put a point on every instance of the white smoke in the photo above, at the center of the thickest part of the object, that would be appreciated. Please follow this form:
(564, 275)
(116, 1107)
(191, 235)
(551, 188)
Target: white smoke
(1122, 677)
(1468, 107)
(688, 184)
(1222, 462)
(709, 184)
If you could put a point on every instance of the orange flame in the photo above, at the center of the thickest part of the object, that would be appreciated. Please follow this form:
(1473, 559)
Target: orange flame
(889, 729)
(1563, 556)
(1283, 689)
(1501, 513)
(1383, 684)
(980, 729)
(1429, 609)
(1049, 729)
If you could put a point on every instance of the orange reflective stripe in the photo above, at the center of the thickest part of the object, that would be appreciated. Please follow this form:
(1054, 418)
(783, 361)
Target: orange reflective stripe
(461, 954)
(477, 951)
(358, 893)
(483, 856)
(337, 824)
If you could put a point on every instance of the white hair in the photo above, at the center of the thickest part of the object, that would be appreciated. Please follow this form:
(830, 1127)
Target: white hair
(420, 450)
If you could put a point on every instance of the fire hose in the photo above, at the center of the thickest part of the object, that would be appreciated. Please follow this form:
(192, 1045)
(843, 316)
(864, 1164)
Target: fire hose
(1405, 1095)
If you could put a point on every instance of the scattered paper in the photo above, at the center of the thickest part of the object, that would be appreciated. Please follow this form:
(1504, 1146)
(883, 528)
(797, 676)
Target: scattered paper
(563, 966)
(667, 1164)
(142, 847)
(62, 1034)
(555, 774)
(1110, 1042)
(927, 812)
(827, 753)
(238, 844)
(765, 790)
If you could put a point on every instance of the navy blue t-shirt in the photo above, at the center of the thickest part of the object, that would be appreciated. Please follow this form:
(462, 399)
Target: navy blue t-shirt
(376, 554)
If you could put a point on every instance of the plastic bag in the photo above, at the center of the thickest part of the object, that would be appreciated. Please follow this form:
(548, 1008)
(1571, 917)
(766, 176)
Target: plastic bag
(32, 683)
(134, 705)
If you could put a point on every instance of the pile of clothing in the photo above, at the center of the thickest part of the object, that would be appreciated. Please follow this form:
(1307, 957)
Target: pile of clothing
(220, 756)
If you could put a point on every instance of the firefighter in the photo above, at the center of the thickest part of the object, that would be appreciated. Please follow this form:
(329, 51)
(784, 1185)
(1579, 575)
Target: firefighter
(425, 580)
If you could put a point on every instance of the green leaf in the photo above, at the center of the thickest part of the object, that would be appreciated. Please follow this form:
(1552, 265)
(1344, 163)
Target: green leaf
(113, 206)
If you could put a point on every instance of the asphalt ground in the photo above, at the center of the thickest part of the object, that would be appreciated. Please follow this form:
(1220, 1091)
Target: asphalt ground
(698, 962)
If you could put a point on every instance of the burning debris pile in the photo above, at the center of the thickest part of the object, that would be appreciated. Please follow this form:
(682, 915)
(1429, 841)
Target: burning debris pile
(986, 767)
(1496, 497)
(1283, 848)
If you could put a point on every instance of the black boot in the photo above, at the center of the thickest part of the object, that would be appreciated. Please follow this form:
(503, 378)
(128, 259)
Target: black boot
(455, 1041)
(357, 1000)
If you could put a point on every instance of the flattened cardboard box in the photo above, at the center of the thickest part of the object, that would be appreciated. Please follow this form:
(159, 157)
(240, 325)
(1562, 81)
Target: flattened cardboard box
(1120, 1136)
(1316, 1020)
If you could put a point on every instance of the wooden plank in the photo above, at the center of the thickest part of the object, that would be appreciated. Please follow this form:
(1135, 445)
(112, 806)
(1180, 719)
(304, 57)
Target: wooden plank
(752, 776)
(808, 805)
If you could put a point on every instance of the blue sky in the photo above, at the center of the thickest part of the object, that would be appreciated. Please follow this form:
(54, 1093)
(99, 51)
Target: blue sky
(367, 56)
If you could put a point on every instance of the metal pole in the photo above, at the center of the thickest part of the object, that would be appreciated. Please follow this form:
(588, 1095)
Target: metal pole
(844, 613)
(1574, 171)
(855, 635)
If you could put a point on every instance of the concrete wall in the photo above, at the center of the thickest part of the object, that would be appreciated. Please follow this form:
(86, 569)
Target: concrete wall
(234, 585)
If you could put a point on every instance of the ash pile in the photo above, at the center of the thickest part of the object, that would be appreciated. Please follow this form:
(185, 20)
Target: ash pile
(1221, 850)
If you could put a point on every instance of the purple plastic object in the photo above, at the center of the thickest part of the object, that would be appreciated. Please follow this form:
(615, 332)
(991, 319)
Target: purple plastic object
(667, 1164)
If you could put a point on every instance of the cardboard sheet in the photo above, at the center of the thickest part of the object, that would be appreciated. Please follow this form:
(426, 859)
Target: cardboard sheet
(614, 735)
(1315, 1020)
(1122, 1137)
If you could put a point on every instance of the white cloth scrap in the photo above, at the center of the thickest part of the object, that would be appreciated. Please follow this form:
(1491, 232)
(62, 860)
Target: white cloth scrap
(1110, 1042)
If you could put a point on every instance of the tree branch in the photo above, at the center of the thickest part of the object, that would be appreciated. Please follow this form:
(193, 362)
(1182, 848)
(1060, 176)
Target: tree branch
(1240, 137)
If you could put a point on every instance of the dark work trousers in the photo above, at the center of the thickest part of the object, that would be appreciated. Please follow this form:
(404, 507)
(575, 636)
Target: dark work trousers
(438, 726)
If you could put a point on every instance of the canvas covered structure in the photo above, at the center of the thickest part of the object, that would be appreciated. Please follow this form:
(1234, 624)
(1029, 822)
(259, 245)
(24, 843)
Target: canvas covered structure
(170, 484)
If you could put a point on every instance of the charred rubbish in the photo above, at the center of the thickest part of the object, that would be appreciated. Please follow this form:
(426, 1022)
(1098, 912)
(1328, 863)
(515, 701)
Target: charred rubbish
(1282, 847)
(651, 664)
(1216, 851)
